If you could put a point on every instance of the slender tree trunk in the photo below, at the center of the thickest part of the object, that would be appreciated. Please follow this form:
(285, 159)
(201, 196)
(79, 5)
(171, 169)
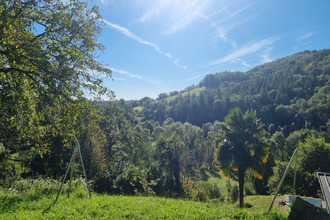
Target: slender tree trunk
(241, 175)
(177, 176)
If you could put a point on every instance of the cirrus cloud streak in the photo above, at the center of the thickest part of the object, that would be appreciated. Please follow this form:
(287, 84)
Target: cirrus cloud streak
(129, 34)
(246, 50)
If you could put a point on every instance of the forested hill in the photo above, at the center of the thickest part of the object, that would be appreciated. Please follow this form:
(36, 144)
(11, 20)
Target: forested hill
(289, 94)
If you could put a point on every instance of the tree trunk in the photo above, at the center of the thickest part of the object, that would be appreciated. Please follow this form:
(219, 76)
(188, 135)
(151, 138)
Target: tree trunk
(241, 175)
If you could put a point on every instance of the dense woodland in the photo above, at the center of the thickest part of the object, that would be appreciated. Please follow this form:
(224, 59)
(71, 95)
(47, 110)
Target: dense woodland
(167, 146)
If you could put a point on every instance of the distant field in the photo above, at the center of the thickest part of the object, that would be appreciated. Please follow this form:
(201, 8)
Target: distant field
(79, 206)
(191, 92)
(138, 108)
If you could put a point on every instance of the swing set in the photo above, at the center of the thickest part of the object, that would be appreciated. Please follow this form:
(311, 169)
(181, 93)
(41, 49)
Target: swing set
(324, 180)
(75, 151)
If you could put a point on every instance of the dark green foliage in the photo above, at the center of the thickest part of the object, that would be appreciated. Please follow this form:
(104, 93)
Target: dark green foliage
(313, 156)
(290, 93)
(243, 146)
(164, 146)
(234, 194)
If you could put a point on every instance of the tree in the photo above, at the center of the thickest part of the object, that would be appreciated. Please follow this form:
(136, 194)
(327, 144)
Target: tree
(167, 154)
(47, 59)
(313, 156)
(243, 145)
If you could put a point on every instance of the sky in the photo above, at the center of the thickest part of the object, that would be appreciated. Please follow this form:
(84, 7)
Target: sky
(159, 46)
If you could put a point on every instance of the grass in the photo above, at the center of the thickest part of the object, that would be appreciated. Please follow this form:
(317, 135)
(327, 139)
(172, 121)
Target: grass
(138, 108)
(191, 92)
(34, 198)
(79, 206)
(171, 98)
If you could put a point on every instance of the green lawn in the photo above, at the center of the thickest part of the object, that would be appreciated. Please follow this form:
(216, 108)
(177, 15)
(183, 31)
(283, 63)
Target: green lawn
(79, 206)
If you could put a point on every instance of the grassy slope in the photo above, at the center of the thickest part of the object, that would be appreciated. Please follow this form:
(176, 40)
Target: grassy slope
(79, 206)
(191, 92)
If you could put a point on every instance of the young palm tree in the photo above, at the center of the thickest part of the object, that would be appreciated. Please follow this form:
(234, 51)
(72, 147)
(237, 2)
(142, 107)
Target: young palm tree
(243, 146)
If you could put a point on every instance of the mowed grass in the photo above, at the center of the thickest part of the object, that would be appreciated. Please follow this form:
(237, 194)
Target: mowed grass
(138, 108)
(79, 206)
(171, 98)
(191, 92)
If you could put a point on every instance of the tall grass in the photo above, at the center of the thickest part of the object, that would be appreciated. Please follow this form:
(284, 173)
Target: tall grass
(37, 204)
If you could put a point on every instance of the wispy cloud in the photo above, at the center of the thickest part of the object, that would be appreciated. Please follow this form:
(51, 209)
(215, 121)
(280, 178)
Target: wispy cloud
(129, 34)
(243, 62)
(221, 32)
(179, 14)
(233, 14)
(176, 62)
(246, 50)
(306, 36)
(265, 57)
(124, 72)
(158, 83)
(154, 11)
(222, 9)
(119, 79)
(185, 14)
(197, 77)
(221, 27)
(104, 2)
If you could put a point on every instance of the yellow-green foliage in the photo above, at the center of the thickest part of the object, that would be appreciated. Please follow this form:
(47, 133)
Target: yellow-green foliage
(191, 92)
(138, 108)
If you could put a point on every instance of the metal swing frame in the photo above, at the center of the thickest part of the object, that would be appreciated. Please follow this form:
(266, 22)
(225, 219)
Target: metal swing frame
(76, 149)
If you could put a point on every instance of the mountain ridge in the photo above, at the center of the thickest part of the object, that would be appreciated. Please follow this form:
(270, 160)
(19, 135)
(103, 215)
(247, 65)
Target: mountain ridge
(284, 92)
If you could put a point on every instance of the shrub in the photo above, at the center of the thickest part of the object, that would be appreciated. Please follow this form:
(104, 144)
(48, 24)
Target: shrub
(201, 190)
(213, 190)
(234, 194)
(44, 186)
(249, 186)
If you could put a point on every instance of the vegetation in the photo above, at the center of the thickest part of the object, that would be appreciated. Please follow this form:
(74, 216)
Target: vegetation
(243, 146)
(289, 94)
(47, 52)
(178, 146)
(33, 205)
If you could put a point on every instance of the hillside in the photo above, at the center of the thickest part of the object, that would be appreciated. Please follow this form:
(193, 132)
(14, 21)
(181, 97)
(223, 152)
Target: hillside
(171, 147)
(290, 93)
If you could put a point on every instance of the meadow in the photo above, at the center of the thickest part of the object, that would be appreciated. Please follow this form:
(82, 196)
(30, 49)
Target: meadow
(35, 201)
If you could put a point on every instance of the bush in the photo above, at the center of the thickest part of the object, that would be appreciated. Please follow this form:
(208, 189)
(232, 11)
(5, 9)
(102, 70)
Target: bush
(234, 194)
(201, 190)
(213, 190)
(44, 186)
(249, 186)
(8, 173)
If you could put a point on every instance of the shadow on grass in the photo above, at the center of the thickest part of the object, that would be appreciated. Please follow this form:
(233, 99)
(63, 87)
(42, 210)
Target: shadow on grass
(10, 202)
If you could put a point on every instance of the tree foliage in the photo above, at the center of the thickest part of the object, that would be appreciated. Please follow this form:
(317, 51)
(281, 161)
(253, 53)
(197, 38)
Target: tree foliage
(48, 52)
(47, 59)
(313, 156)
(243, 145)
(289, 94)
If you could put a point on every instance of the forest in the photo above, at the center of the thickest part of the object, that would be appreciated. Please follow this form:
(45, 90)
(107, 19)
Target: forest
(242, 126)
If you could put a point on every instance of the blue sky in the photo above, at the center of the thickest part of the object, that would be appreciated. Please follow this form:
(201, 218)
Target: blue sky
(157, 46)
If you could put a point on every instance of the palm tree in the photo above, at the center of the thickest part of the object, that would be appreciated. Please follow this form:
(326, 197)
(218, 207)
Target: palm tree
(243, 146)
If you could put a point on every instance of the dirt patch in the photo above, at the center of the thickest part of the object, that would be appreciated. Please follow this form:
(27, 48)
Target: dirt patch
(282, 203)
